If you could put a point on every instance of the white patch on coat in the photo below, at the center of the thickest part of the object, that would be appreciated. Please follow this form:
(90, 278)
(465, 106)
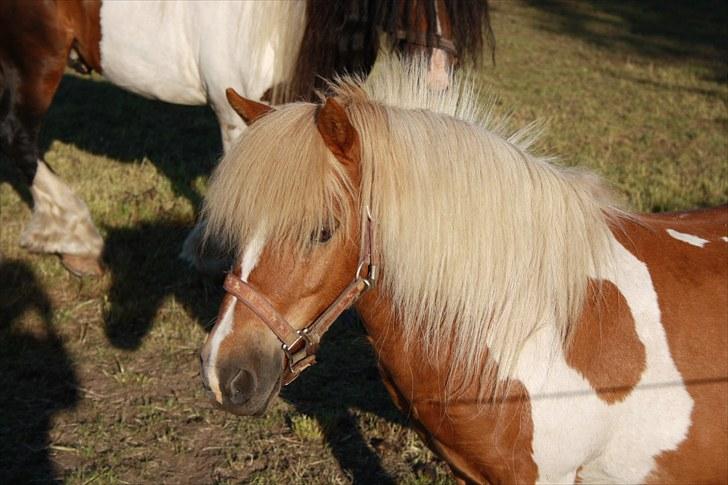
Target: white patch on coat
(186, 52)
(725, 238)
(227, 322)
(572, 427)
(688, 238)
(61, 222)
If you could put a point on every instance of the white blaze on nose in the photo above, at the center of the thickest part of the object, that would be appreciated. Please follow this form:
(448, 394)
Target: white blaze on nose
(225, 326)
(437, 76)
(688, 238)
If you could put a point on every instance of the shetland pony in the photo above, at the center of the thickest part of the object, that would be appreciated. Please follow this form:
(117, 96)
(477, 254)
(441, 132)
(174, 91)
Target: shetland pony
(532, 330)
(189, 52)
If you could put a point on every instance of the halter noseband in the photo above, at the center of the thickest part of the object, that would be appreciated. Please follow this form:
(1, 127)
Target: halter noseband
(300, 346)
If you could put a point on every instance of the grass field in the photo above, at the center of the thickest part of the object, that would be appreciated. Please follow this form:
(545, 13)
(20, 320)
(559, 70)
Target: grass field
(99, 378)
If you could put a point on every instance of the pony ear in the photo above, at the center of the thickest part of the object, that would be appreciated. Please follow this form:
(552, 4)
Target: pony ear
(248, 109)
(336, 130)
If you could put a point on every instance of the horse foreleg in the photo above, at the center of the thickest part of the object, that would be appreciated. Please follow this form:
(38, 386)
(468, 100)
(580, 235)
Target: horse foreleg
(61, 223)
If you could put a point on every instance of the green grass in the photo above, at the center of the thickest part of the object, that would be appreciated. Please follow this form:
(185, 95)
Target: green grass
(99, 377)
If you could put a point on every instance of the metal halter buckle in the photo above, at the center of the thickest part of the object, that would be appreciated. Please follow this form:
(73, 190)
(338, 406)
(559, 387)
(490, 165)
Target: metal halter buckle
(300, 356)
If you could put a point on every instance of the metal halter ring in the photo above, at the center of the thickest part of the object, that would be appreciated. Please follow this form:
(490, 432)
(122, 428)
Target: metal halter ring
(371, 276)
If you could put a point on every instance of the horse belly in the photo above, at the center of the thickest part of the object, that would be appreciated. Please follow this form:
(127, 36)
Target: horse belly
(144, 49)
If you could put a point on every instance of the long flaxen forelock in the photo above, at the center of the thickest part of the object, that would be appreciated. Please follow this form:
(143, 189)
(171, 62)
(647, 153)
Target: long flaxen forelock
(280, 182)
(482, 243)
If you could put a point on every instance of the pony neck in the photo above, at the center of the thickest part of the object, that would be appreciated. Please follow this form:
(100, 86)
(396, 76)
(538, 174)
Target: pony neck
(411, 374)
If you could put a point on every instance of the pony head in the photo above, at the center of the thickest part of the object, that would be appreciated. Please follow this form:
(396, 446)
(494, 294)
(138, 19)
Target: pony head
(297, 243)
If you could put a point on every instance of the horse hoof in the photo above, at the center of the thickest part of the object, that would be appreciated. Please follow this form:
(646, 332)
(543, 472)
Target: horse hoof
(82, 265)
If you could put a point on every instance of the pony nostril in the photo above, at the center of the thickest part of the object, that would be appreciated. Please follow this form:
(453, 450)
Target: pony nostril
(241, 387)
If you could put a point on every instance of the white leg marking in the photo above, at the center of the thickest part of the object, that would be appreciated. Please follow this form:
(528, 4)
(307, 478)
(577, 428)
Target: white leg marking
(225, 326)
(572, 427)
(61, 222)
(688, 238)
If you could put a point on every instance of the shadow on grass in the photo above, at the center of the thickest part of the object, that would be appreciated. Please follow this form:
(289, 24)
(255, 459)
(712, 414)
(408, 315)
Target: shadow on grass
(37, 379)
(653, 28)
(145, 271)
(183, 142)
(346, 378)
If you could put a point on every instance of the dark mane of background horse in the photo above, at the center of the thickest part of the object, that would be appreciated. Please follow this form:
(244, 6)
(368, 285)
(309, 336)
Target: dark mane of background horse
(344, 37)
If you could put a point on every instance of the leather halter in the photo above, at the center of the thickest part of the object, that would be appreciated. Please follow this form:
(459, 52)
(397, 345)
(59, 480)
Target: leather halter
(300, 346)
(429, 40)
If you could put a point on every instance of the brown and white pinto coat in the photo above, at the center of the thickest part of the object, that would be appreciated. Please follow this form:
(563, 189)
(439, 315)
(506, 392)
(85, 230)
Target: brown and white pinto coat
(639, 396)
(636, 338)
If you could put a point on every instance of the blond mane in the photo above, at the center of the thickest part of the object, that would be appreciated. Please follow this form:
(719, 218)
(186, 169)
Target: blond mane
(482, 244)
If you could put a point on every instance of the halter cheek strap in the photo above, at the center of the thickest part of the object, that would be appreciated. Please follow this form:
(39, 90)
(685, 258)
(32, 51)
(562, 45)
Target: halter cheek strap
(300, 346)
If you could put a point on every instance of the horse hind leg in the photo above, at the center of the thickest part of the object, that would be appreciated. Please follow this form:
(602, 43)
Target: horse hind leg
(61, 223)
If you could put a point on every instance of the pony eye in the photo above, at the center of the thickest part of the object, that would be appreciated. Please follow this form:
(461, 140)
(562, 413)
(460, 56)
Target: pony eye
(323, 235)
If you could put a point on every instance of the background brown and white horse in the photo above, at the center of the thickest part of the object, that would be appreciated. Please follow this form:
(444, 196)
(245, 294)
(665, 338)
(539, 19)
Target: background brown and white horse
(188, 52)
(532, 331)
